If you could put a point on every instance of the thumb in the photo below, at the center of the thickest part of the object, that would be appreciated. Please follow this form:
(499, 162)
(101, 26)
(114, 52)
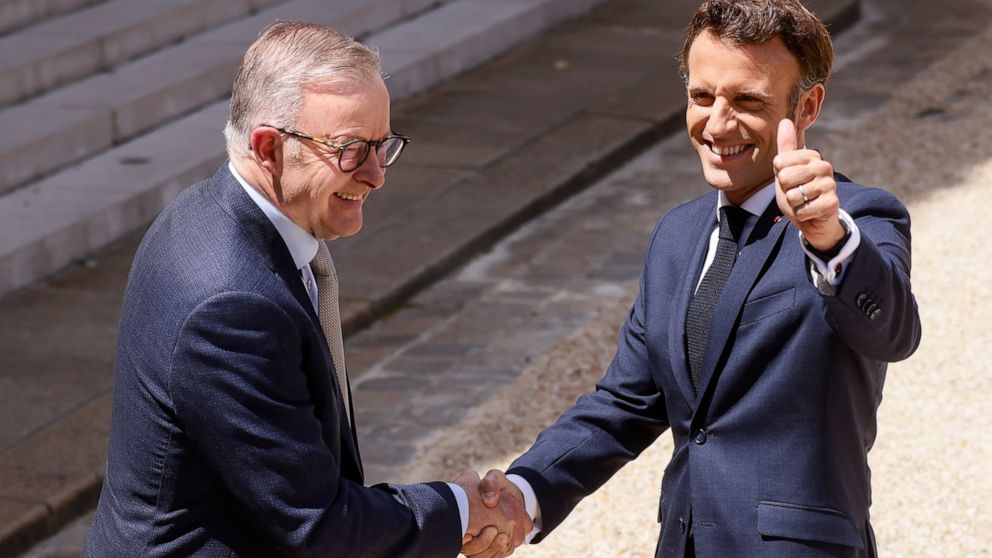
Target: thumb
(786, 138)
(490, 487)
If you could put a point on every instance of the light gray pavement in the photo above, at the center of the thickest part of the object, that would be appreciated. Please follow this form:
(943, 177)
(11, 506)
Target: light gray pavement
(543, 304)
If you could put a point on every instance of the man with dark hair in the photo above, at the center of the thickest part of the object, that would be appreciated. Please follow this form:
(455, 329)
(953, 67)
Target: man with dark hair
(768, 311)
(232, 431)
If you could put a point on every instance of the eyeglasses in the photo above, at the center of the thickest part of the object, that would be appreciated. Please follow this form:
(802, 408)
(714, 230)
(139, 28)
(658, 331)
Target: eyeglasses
(352, 154)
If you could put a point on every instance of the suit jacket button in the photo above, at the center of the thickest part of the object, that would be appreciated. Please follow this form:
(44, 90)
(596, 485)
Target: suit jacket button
(874, 315)
(700, 437)
(861, 301)
(870, 309)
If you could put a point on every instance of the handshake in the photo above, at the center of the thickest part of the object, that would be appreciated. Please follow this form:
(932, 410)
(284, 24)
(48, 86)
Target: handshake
(498, 521)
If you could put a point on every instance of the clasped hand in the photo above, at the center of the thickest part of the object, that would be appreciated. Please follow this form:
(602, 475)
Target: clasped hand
(498, 522)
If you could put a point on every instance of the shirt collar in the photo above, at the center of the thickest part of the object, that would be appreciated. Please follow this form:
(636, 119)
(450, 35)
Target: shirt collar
(302, 245)
(755, 205)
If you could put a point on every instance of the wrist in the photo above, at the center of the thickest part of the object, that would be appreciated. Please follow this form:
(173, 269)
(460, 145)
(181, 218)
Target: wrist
(829, 243)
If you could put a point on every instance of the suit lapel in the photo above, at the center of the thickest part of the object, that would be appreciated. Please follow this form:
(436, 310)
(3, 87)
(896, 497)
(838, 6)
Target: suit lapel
(272, 248)
(354, 437)
(752, 261)
(676, 334)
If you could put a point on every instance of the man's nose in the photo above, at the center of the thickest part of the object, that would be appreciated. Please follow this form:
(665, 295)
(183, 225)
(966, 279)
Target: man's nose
(722, 120)
(371, 172)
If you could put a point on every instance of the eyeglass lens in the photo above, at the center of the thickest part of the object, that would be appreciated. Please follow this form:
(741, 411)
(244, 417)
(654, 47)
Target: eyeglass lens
(354, 154)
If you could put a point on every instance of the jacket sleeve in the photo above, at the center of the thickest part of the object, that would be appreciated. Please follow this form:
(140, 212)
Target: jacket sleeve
(874, 311)
(601, 433)
(241, 398)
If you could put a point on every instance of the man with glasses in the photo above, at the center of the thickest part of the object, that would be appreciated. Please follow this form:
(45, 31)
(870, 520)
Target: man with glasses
(232, 431)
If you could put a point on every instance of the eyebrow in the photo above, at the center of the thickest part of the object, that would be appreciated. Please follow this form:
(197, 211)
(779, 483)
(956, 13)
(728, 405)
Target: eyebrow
(752, 93)
(697, 89)
(344, 138)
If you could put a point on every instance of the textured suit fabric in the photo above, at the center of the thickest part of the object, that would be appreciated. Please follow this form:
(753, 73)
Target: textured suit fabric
(770, 455)
(228, 432)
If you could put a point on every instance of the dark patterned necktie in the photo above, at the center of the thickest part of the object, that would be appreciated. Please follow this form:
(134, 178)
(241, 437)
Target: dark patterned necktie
(700, 314)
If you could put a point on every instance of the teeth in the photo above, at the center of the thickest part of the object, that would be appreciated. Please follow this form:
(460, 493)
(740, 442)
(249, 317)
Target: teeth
(728, 150)
(350, 197)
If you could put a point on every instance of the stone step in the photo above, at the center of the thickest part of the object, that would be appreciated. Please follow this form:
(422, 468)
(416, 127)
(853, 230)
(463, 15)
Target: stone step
(50, 223)
(89, 116)
(42, 57)
(17, 14)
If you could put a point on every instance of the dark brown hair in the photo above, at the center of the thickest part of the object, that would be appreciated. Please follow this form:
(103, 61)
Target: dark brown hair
(751, 22)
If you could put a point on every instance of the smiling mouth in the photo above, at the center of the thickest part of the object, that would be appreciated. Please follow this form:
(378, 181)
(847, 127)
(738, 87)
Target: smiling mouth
(351, 197)
(728, 151)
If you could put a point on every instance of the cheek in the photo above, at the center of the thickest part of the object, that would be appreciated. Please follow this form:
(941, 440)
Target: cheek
(695, 121)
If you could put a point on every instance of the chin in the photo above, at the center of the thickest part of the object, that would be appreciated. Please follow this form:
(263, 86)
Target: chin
(344, 232)
(718, 179)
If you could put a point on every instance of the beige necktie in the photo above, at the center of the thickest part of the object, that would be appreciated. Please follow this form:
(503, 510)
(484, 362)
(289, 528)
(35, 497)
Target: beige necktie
(330, 316)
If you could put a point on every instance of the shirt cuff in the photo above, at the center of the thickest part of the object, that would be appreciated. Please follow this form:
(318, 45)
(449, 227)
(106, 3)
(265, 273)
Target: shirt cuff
(828, 275)
(531, 506)
(462, 500)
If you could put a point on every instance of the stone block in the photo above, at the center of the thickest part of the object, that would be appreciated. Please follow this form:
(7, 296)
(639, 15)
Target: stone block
(155, 89)
(36, 388)
(16, 14)
(97, 38)
(129, 29)
(457, 36)
(62, 462)
(21, 523)
(438, 143)
(73, 213)
(35, 60)
(40, 139)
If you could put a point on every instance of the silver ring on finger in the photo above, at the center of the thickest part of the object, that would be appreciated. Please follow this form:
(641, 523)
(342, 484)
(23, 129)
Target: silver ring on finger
(802, 192)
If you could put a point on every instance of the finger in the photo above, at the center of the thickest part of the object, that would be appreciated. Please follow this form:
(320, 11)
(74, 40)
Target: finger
(467, 476)
(795, 158)
(497, 549)
(786, 138)
(481, 542)
(792, 176)
(491, 485)
(824, 207)
(502, 543)
(801, 196)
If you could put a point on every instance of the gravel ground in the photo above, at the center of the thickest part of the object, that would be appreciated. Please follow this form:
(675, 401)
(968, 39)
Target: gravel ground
(931, 144)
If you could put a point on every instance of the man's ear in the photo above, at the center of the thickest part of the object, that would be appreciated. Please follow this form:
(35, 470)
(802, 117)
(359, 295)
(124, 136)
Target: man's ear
(266, 148)
(809, 107)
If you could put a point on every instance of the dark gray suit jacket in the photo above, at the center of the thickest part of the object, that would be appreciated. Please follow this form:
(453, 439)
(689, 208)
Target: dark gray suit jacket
(228, 434)
(770, 456)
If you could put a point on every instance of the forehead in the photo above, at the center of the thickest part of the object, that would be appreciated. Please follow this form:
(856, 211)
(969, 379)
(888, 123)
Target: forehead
(359, 108)
(713, 61)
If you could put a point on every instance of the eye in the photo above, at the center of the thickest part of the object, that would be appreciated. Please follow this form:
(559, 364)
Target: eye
(749, 103)
(354, 151)
(701, 98)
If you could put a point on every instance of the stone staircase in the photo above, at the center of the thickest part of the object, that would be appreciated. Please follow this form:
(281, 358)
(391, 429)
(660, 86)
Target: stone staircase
(109, 108)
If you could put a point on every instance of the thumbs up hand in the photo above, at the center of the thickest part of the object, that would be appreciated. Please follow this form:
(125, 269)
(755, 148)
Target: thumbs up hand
(806, 191)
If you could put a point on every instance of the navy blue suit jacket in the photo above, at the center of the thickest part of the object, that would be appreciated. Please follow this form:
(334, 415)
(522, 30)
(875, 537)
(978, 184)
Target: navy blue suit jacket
(770, 456)
(228, 433)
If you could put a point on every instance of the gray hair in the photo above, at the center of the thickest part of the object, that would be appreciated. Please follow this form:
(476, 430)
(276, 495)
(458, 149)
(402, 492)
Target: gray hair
(287, 57)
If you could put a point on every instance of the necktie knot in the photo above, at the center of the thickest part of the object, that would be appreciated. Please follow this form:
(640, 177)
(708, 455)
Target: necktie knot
(322, 264)
(732, 219)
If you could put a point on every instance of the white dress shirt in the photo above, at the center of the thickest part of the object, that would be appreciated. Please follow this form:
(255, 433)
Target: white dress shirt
(303, 247)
